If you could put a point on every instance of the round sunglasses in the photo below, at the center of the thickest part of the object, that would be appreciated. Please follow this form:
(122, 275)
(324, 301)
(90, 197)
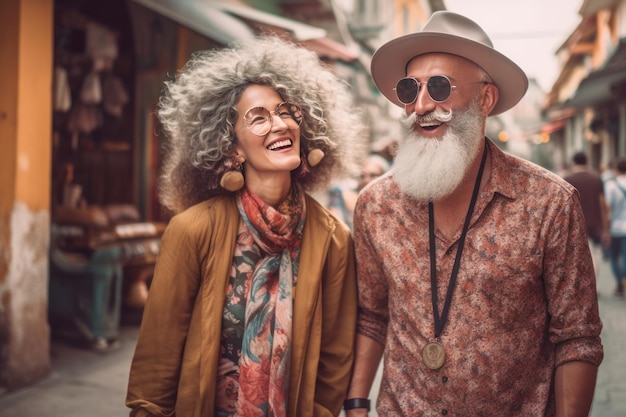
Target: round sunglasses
(259, 120)
(438, 86)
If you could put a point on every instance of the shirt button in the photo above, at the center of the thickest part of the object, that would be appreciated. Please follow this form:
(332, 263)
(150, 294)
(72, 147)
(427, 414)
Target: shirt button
(444, 379)
(444, 412)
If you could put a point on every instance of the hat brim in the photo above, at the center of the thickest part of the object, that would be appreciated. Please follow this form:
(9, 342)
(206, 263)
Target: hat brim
(390, 60)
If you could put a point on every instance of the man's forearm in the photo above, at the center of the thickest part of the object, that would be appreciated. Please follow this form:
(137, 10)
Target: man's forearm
(575, 384)
(367, 356)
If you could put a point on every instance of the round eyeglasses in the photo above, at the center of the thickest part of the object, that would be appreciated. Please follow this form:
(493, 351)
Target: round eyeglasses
(438, 86)
(259, 120)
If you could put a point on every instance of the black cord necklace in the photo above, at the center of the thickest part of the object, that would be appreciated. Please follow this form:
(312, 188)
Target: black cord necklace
(433, 354)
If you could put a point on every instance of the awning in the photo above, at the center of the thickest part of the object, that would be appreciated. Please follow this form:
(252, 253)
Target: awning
(299, 31)
(310, 37)
(327, 48)
(590, 7)
(597, 90)
(226, 22)
(222, 21)
(552, 127)
(202, 18)
(599, 85)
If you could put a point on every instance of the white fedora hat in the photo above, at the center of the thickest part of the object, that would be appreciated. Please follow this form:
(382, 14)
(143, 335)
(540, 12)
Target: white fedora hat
(451, 33)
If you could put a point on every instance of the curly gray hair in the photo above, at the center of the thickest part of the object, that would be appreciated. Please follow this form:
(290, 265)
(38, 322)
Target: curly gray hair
(197, 112)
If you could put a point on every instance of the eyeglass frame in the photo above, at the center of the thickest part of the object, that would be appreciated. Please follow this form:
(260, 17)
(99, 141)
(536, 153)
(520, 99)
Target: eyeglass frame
(272, 114)
(419, 84)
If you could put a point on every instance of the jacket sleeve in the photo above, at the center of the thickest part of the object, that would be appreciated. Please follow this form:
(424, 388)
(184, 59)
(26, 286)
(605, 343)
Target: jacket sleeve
(156, 365)
(339, 306)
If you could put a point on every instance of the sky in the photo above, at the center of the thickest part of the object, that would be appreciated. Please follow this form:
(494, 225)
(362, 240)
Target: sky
(529, 32)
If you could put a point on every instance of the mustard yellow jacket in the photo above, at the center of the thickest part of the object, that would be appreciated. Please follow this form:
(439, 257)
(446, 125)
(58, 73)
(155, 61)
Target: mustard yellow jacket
(174, 368)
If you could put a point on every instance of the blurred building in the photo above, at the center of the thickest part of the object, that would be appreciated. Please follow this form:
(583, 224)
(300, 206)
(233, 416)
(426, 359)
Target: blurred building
(586, 107)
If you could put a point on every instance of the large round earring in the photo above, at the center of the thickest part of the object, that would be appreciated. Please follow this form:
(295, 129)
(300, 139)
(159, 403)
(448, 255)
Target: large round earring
(314, 157)
(308, 161)
(232, 180)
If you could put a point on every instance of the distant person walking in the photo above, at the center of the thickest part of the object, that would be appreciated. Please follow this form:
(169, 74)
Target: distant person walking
(591, 190)
(615, 191)
(343, 198)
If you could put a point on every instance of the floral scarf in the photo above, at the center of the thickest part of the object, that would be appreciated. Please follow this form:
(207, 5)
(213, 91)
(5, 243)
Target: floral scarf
(266, 342)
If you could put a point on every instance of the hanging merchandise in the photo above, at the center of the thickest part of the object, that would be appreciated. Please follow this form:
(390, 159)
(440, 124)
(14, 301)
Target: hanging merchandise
(91, 92)
(101, 46)
(114, 95)
(85, 119)
(62, 93)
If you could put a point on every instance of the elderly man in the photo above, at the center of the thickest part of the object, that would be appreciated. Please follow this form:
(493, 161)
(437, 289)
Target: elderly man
(474, 272)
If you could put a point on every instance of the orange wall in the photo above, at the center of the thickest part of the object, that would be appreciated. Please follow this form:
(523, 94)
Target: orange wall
(415, 19)
(25, 103)
(26, 33)
(34, 104)
(8, 110)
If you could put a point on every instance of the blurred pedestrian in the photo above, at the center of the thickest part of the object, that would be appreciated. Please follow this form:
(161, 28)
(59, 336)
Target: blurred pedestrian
(615, 190)
(252, 307)
(373, 167)
(591, 190)
(609, 171)
(387, 147)
(342, 196)
(474, 273)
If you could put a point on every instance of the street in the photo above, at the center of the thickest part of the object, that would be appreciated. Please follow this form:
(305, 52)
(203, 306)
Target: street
(610, 395)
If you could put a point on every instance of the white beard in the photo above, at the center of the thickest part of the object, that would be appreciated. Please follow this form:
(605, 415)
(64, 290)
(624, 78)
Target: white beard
(428, 169)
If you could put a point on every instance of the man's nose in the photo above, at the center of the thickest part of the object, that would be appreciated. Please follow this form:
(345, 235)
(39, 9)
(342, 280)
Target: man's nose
(423, 102)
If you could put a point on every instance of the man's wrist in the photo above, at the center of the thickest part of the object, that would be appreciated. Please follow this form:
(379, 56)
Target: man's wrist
(356, 403)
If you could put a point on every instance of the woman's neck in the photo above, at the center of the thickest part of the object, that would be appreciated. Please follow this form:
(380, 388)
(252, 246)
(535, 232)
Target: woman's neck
(271, 190)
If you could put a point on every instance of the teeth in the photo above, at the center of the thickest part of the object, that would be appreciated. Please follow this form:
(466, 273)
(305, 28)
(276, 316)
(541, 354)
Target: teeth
(279, 144)
(429, 124)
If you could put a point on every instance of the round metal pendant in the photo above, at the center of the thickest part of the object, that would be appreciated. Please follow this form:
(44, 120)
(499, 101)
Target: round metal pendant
(433, 355)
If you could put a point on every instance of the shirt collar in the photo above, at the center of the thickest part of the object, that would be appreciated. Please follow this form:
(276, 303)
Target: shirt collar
(501, 181)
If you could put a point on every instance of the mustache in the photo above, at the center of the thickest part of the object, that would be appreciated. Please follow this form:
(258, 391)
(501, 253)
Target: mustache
(413, 120)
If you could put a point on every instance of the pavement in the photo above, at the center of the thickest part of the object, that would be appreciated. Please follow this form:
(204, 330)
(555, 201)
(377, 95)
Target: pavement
(86, 382)
(82, 382)
(610, 395)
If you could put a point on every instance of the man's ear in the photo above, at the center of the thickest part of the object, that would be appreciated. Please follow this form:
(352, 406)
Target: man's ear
(488, 98)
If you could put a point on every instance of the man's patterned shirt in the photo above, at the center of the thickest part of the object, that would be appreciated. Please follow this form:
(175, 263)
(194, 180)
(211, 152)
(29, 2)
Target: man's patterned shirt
(525, 299)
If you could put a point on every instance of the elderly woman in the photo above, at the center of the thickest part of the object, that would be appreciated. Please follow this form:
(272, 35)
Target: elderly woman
(252, 307)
